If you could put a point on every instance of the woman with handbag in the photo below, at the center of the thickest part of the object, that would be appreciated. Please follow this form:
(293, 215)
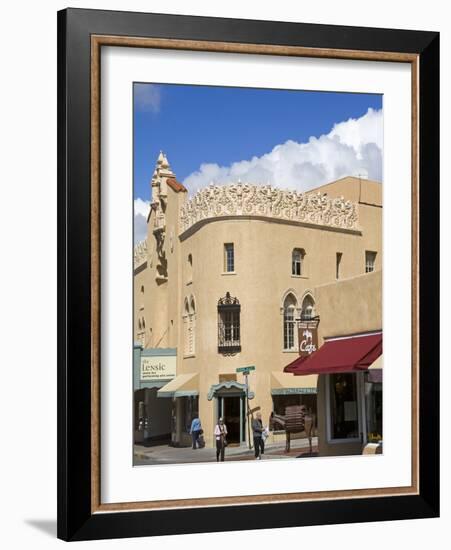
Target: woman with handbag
(221, 441)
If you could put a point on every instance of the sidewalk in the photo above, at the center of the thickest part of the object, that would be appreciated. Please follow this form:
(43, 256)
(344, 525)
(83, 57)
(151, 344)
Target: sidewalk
(164, 454)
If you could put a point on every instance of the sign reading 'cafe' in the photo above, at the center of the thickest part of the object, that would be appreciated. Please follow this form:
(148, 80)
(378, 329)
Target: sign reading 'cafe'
(308, 339)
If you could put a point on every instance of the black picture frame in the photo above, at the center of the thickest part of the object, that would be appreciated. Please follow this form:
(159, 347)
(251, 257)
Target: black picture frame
(76, 521)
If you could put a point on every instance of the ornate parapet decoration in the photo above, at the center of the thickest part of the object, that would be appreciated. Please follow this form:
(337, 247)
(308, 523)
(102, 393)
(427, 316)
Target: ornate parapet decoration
(244, 199)
(140, 254)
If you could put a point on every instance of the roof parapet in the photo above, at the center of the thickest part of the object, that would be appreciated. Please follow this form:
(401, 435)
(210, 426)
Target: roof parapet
(244, 199)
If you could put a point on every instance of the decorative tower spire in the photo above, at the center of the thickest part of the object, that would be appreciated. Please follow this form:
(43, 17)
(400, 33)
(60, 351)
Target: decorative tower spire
(164, 162)
(160, 176)
(160, 158)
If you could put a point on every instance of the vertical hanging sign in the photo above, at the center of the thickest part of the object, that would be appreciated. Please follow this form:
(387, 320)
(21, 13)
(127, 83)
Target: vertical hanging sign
(307, 338)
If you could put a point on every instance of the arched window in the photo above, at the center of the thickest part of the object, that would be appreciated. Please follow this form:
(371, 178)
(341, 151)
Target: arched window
(297, 260)
(185, 316)
(289, 322)
(189, 325)
(141, 333)
(189, 269)
(192, 326)
(229, 336)
(308, 308)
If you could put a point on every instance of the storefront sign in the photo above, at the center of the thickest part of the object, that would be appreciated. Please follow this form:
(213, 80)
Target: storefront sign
(293, 391)
(308, 339)
(158, 367)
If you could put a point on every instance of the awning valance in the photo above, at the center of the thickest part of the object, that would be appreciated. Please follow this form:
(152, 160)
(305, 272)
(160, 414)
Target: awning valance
(286, 384)
(183, 385)
(343, 354)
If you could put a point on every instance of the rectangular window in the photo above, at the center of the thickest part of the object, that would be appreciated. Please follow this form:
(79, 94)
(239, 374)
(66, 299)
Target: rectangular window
(229, 258)
(338, 264)
(370, 261)
(373, 404)
(281, 402)
(296, 263)
(344, 418)
(229, 340)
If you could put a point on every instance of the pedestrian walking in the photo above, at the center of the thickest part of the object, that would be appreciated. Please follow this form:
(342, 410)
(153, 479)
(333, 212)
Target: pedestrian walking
(196, 431)
(257, 430)
(221, 439)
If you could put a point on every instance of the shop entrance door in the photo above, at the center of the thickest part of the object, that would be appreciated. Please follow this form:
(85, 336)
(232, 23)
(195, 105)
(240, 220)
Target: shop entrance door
(232, 410)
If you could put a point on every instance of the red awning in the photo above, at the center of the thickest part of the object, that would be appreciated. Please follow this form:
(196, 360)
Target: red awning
(296, 363)
(347, 354)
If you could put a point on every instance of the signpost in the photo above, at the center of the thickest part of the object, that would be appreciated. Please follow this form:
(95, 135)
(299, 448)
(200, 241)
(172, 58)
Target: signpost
(245, 371)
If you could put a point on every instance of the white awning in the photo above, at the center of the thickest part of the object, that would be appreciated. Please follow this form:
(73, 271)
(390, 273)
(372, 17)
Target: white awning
(183, 385)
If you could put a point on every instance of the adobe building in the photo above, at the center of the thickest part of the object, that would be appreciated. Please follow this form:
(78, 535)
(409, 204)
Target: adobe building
(225, 280)
(348, 364)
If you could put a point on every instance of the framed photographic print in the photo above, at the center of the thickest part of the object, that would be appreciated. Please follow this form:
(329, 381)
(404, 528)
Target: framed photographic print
(248, 274)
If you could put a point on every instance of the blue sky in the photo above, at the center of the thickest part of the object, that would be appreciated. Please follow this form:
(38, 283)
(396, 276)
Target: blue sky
(290, 139)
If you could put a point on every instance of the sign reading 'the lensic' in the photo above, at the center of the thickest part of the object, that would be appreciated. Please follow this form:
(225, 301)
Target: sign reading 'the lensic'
(158, 367)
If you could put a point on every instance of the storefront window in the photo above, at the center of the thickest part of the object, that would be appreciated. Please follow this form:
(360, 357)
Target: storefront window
(281, 402)
(190, 407)
(344, 421)
(373, 403)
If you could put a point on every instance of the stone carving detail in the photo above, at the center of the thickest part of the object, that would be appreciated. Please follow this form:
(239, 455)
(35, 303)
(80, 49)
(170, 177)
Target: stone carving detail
(244, 199)
(140, 253)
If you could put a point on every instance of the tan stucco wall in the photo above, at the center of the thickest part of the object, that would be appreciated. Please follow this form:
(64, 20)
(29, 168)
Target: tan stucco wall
(262, 278)
(350, 306)
(142, 306)
(359, 190)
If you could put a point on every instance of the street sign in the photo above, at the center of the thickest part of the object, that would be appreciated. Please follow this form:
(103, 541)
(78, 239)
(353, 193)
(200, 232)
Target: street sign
(252, 411)
(245, 369)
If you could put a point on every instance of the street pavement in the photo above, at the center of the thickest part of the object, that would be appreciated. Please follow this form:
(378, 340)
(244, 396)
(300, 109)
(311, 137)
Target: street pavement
(165, 454)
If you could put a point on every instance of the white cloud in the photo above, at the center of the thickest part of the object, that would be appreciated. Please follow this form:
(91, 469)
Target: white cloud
(147, 97)
(351, 148)
(141, 211)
